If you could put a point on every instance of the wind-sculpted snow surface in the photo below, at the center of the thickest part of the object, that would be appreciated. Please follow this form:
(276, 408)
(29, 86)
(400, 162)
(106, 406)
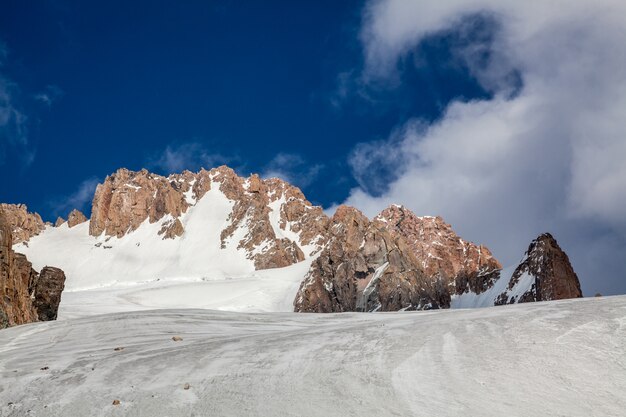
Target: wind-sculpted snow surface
(565, 358)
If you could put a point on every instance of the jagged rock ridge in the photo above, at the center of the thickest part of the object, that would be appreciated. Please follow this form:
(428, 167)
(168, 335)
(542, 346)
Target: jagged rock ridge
(463, 266)
(24, 224)
(363, 267)
(395, 261)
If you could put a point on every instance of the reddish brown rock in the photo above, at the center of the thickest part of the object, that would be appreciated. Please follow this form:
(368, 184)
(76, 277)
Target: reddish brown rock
(251, 215)
(126, 199)
(363, 267)
(463, 266)
(75, 217)
(550, 274)
(23, 223)
(297, 215)
(16, 275)
(59, 221)
(20, 283)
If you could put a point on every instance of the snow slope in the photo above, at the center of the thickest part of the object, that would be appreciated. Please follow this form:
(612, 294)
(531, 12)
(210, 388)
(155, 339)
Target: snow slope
(143, 271)
(486, 299)
(565, 358)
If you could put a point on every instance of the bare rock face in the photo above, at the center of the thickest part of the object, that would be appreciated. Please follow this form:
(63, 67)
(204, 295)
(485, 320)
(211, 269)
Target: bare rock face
(15, 279)
(363, 267)
(75, 217)
(126, 199)
(463, 266)
(544, 274)
(276, 221)
(23, 223)
(270, 219)
(48, 289)
(19, 283)
(59, 221)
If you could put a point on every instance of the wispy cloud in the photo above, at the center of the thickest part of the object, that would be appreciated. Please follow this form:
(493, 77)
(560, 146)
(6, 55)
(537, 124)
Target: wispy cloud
(80, 199)
(13, 121)
(51, 94)
(189, 155)
(292, 168)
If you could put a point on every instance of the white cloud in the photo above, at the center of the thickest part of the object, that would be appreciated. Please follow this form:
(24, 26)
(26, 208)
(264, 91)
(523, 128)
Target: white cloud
(550, 158)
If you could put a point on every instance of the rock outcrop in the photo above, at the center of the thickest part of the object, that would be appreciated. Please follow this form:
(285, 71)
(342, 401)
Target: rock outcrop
(270, 219)
(544, 274)
(75, 217)
(443, 255)
(47, 292)
(365, 267)
(15, 279)
(59, 221)
(20, 284)
(24, 224)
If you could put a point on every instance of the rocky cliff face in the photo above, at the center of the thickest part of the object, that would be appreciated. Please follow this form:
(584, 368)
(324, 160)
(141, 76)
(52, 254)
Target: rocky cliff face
(442, 254)
(24, 224)
(544, 274)
(365, 267)
(20, 284)
(15, 279)
(270, 219)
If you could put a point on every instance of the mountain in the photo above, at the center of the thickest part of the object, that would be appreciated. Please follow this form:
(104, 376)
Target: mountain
(212, 239)
(563, 358)
(26, 295)
(544, 274)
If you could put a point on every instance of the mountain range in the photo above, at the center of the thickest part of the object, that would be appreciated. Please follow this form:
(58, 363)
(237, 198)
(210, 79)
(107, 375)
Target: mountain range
(215, 239)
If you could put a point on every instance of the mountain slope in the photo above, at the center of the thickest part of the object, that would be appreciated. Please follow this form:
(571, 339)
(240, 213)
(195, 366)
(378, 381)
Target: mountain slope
(556, 358)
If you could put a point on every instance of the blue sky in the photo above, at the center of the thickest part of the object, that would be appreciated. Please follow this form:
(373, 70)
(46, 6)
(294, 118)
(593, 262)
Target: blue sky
(504, 117)
(262, 87)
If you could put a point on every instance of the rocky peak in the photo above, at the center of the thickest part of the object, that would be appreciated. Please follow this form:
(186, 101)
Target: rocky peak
(23, 223)
(75, 217)
(59, 221)
(544, 274)
(463, 266)
(363, 267)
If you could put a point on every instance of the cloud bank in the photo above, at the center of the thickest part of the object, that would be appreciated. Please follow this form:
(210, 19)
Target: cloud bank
(548, 154)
